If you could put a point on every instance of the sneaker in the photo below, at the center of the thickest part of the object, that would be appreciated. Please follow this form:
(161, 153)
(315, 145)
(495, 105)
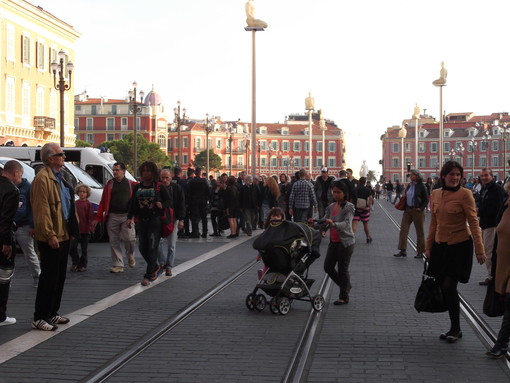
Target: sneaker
(145, 282)
(155, 274)
(117, 269)
(7, 321)
(168, 272)
(74, 268)
(41, 324)
(131, 262)
(57, 319)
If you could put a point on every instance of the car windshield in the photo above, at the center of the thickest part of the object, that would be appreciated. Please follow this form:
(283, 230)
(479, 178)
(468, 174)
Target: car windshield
(28, 172)
(83, 177)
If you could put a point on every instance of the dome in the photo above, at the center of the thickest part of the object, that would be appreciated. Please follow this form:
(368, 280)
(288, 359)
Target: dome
(153, 99)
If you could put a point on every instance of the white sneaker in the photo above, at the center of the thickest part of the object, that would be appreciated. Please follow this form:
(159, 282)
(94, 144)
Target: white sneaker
(41, 324)
(8, 321)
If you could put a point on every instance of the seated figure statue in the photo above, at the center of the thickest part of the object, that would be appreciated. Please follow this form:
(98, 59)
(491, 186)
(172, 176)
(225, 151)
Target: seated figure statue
(250, 16)
(442, 76)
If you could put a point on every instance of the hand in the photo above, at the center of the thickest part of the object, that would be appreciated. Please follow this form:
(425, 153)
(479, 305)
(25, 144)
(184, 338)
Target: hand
(7, 250)
(329, 221)
(53, 242)
(129, 222)
(481, 258)
(159, 205)
(291, 212)
(93, 225)
(427, 254)
(31, 233)
(258, 257)
(180, 225)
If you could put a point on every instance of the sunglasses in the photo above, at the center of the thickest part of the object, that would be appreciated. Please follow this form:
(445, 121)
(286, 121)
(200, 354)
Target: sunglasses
(61, 154)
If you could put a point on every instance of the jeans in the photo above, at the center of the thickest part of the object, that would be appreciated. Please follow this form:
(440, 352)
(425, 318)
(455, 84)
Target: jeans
(168, 259)
(51, 280)
(26, 242)
(83, 241)
(149, 235)
(339, 256)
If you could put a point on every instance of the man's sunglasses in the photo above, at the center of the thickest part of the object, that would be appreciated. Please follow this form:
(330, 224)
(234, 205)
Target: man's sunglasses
(61, 154)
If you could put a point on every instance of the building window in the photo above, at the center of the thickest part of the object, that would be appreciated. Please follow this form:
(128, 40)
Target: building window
(297, 162)
(495, 145)
(318, 162)
(110, 124)
(433, 147)
(395, 147)
(274, 161)
(307, 146)
(422, 133)
(90, 139)
(185, 145)
(395, 162)
(274, 145)
(483, 146)
(422, 162)
(285, 131)
(25, 50)
(469, 161)
(25, 103)
(218, 143)
(52, 55)
(332, 162)
(446, 146)
(263, 144)
(41, 60)
(318, 147)
(331, 147)
(110, 137)
(90, 124)
(198, 144)
(307, 162)
(39, 102)
(297, 146)
(124, 123)
(76, 123)
(114, 109)
(9, 39)
(494, 161)
(408, 147)
(9, 99)
(421, 147)
(263, 161)
(93, 110)
(162, 141)
(285, 146)
(482, 162)
(263, 130)
(185, 159)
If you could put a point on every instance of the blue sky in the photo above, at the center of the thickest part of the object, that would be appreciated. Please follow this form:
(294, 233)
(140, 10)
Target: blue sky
(366, 62)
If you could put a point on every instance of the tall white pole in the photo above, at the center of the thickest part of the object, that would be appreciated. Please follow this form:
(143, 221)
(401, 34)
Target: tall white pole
(441, 126)
(416, 144)
(310, 141)
(253, 109)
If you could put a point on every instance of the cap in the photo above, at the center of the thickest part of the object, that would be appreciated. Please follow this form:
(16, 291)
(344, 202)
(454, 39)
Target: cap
(325, 170)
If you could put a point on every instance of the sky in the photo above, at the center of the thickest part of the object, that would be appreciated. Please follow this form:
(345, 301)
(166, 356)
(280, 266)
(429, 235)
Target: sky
(366, 62)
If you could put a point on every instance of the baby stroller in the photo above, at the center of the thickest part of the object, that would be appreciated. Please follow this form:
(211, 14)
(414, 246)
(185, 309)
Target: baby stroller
(287, 249)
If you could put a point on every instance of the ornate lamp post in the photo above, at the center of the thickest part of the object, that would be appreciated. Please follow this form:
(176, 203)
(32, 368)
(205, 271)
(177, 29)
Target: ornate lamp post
(229, 129)
(269, 158)
(441, 82)
(246, 147)
(310, 107)
(209, 126)
(505, 136)
(486, 136)
(416, 117)
(473, 148)
(178, 121)
(62, 86)
(135, 108)
(402, 133)
(458, 151)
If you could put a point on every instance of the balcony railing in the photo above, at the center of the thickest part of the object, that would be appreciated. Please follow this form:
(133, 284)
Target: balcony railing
(44, 123)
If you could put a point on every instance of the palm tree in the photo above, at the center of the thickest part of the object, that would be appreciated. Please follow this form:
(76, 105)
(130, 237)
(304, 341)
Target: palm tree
(371, 176)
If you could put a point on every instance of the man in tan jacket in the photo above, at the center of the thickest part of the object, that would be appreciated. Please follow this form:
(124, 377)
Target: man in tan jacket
(54, 223)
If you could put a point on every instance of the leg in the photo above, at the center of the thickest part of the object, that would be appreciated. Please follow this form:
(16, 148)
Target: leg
(114, 227)
(344, 259)
(73, 252)
(419, 222)
(367, 230)
(4, 296)
(330, 262)
(354, 225)
(501, 346)
(84, 243)
(488, 235)
(195, 218)
(247, 221)
(407, 219)
(172, 243)
(26, 243)
(451, 295)
(203, 217)
(144, 246)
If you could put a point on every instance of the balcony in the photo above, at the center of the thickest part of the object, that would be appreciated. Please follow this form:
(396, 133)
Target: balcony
(42, 123)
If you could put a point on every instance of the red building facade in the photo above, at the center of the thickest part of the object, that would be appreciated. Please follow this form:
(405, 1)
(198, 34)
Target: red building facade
(476, 142)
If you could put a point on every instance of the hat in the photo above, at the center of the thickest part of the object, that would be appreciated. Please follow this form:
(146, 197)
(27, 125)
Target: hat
(324, 170)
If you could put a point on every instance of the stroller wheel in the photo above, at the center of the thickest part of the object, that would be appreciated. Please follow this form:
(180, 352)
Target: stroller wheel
(283, 305)
(250, 302)
(273, 305)
(318, 302)
(260, 302)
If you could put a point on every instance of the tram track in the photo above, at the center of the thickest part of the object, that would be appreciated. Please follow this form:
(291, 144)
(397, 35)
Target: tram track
(482, 329)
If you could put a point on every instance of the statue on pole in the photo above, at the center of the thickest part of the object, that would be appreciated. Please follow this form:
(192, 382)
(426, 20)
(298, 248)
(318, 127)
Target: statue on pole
(441, 81)
(310, 102)
(250, 16)
(364, 169)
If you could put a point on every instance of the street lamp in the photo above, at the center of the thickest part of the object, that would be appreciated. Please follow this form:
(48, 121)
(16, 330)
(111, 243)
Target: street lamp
(416, 117)
(209, 126)
(456, 151)
(486, 136)
(135, 108)
(246, 147)
(323, 127)
(178, 121)
(505, 136)
(229, 128)
(310, 107)
(402, 133)
(61, 86)
(269, 157)
(473, 148)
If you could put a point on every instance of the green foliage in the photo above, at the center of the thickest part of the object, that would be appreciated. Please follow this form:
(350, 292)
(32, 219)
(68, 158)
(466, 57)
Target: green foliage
(122, 150)
(82, 144)
(371, 176)
(214, 160)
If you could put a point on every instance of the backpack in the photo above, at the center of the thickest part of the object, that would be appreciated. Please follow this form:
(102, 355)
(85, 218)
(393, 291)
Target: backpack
(167, 218)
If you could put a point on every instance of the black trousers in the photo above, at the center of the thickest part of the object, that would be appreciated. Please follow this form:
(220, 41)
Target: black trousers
(199, 213)
(4, 288)
(83, 241)
(51, 280)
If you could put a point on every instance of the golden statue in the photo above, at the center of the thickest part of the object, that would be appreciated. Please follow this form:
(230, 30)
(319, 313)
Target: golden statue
(442, 76)
(250, 16)
(416, 113)
(310, 102)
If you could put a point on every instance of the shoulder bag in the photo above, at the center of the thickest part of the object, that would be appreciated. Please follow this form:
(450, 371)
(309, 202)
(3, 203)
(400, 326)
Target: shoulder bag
(430, 297)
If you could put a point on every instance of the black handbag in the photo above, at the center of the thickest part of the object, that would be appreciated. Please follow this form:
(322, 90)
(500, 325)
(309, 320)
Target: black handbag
(430, 297)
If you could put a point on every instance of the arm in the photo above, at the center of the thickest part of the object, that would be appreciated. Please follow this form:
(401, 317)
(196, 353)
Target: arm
(432, 230)
(471, 217)
(8, 208)
(42, 218)
(345, 224)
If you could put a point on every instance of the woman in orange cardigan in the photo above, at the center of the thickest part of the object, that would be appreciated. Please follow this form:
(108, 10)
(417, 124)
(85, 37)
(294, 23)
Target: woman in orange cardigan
(450, 241)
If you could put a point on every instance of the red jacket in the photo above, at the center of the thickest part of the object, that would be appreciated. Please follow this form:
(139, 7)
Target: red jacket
(104, 205)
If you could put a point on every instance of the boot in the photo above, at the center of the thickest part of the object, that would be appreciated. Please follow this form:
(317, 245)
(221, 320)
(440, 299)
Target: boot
(501, 346)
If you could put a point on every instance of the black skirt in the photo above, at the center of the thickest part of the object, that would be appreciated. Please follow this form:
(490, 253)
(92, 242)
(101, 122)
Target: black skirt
(454, 261)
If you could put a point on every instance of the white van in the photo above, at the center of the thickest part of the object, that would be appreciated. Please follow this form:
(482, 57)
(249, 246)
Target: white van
(100, 162)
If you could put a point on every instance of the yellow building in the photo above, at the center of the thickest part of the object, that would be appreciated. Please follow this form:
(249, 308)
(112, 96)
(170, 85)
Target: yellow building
(30, 40)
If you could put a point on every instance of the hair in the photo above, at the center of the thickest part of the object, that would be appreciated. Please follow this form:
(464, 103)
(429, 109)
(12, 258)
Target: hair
(274, 211)
(296, 175)
(12, 166)
(152, 167)
(231, 181)
(449, 166)
(165, 170)
(47, 150)
(248, 178)
(363, 181)
(177, 171)
(342, 173)
(121, 165)
(487, 170)
(284, 175)
(83, 186)
(418, 175)
(272, 185)
(302, 173)
(343, 187)
(349, 170)
(506, 186)
(190, 172)
(198, 170)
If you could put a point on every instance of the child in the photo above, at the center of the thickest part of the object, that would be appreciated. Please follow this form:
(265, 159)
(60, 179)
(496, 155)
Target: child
(85, 213)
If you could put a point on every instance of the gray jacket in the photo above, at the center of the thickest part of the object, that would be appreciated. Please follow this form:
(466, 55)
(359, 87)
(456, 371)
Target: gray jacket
(343, 222)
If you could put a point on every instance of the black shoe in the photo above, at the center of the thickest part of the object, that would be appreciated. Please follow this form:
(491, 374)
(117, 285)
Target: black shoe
(401, 253)
(214, 235)
(341, 301)
(496, 352)
(419, 255)
(194, 236)
(454, 337)
(232, 236)
(369, 240)
(451, 334)
(204, 235)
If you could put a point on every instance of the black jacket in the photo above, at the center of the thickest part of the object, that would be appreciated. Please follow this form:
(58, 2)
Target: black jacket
(489, 204)
(249, 196)
(421, 197)
(176, 200)
(9, 199)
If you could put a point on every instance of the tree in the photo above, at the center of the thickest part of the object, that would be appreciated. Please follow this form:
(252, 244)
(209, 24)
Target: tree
(371, 176)
(82, 144)
(122, 150)
(214, 160)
